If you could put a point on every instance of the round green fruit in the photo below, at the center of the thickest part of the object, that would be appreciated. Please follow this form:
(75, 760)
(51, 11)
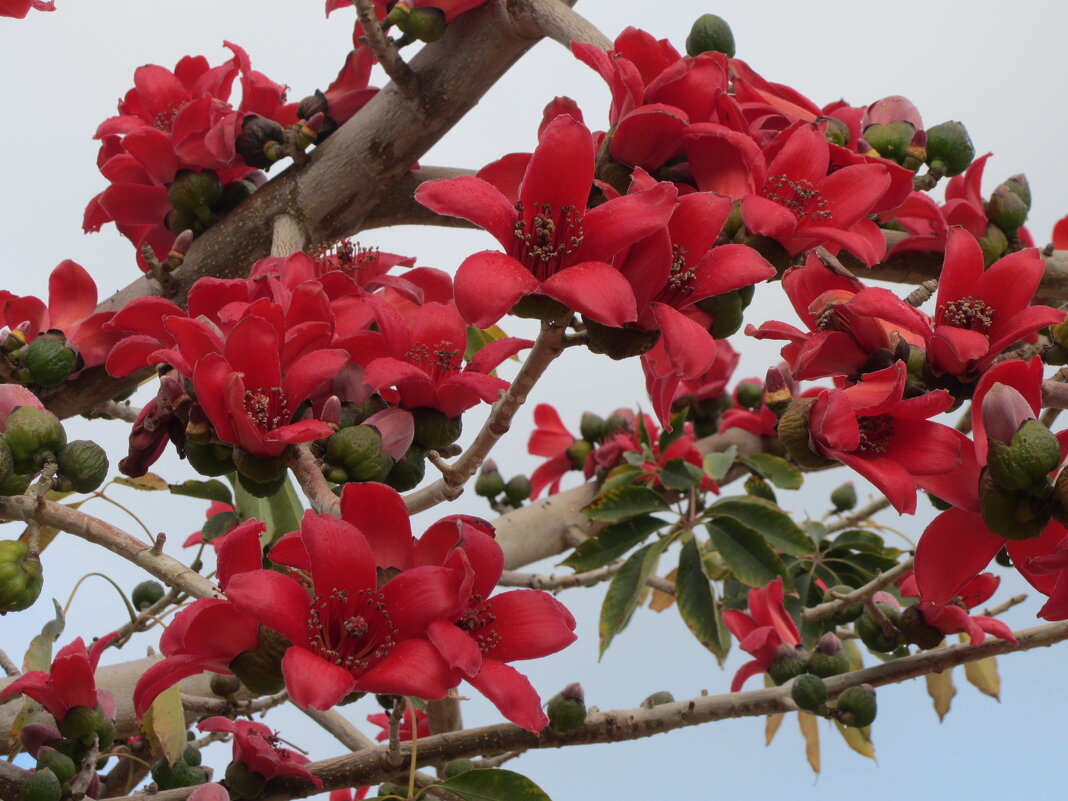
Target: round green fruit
(145, 594)
(710, 33)
(21, 577)
(49, 361)
(809, 692)
(872, 632)
(83, 464)
(358, 450)
(42, 785)
(33, 435)
(856, 706)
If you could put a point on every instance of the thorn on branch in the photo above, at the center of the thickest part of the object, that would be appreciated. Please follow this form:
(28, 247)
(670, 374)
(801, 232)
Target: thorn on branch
(157, 546)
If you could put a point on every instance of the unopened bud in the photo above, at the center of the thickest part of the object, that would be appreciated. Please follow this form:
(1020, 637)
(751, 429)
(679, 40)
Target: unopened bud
(710, 33)
(856, 706)
(518, 489)
(1006, 209)
(993, 244)
(789, 662)
(1033, 454)
(490, 482)
(809, 693)
(916, 629)
(749, 394)
(837, 132)
(426, 23)
(567, 709)
(891, 140)
(828, 658)
(578, 453)
(778, 389)
(1012, 514)
(949, 148)
(259, 141)
(591, 427)
(1018, 185)
(844, 497)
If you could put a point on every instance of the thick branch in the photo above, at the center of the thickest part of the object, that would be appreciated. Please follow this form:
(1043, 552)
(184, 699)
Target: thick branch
(557, 22)
(92, 529)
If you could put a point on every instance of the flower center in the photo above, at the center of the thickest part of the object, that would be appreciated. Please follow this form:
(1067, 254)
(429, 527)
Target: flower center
(970, 313)
(543, 242)
(164, 119)
(677, 290)
(267, 407)
(875, 433)
(476, 622)
(351, 629)
(801, 198)
(438, 361)
(345, 256)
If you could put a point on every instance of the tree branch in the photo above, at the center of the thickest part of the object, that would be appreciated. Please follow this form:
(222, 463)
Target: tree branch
(557, 22)
(163, 567)
(859, 595)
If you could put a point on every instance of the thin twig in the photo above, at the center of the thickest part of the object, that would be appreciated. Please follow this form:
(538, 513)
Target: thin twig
(385, 50)
(859, 595)
(343, 731)
(538, 581)
(202, 705)
(859, 516)
(306, 469)
(9, 667)
(1005, 606)
(450, 485)
(114, 410)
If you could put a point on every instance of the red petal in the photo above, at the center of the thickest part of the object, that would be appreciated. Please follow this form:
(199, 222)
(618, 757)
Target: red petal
(595, 289)
(475, 200)
(512, 693)
(488, 284)
(456, 646)
(379, 513)
(690, 348)
(531, 624)
(953, 550)
(313, 682)
(277, 601)
(560, 171)
(413, 667)
(341, 557)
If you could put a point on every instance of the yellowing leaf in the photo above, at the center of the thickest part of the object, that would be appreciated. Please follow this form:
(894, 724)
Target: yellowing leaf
(164, 724)
(149, 482)
(663, 600)
(984, 675)
(771, 726)
(858, 739)
(811, 732)
(941, 689)
(856, 658)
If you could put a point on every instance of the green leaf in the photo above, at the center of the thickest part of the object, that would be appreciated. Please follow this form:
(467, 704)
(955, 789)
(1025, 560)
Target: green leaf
(39, 654)
(678, 428)
(717, 464)
(679, 475)
(746, 553)
(697, 602)
(210, 490)
(619, 476)
(281, 512)
(775, 469)
(612, 542)
(478, 338)
(766, 518)
(624, 592)
(626, 502)
(493, 785)
(164, 724)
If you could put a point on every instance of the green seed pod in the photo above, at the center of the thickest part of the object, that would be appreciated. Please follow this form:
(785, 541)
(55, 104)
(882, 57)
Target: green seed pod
(578, 452)
(191, 755)
(105, 732)
(619, 343)
(81, 722)
(567, 709)
(145, 594)
(749, 394)
(993, 244)
(856, 706)
(56, 761)
(916, 630)
(809, 693)
(1028, 460)
(844, 497)
(517, 489)
(426, 23)
(49, 361)
(789, 664)
(42, 785)
(490, 482)
(33, 435)
(1019, 186)
(260, 670)
(209, 459)
(871, 631)
(171, 777)
(191, 192)
(83, 464)
(1006, 209)
(358, 450)
(710, 34)
(1014, 515)
(591, 426)
(949, 148)
(657, 699)
(793, 434)
(434, 429)
(21, 577)
(409, 471)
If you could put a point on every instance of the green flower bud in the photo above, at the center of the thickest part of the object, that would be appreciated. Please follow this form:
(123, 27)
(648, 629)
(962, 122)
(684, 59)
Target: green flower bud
(359, 452)
(146, 593)
(1018, 185)
(191, 755)
(540, 307)
(710, 33)
(49, 361)
(993, 244)
(837, 132)
(789, 662)
(490, 482)
(83, 465)
(591, 427)
(209, 459)
(517, 489)
(828, 658)
(793, 434)
(567, 709)
(409, 471)
(809, 693)
(195, 193)
(1032, 455)
(56, 761)
(849, 613)
(458, 766)
(171, 777)
(426, 23)
(81, 722)
(33, 435)
(21, 577)
(872, 632)
(619, 343)
(949, 148)
(1006, 209)
(434, 430)
(42, 785)
(856, 706)
(657, 699)
(1012, 514)
(844, 497)
(891, 140)
(749, 394)
(577, 453)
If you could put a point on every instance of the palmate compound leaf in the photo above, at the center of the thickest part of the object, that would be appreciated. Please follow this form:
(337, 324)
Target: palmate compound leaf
(612, 542)
(625, 590)
(750, 558)
(766, 518)
(697, 603)
(493, 785)
(624, 503)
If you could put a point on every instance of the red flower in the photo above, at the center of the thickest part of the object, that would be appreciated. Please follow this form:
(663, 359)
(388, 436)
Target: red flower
(206, 635)
(255, 747)
(551, 439)
(381, 720)
(980, 312)
(761, 632)
(425, 361)
(554, 246)
(493, 630)
(68, 683)
(952, 617)
(20, 8)
(871, 428)
(347, 633)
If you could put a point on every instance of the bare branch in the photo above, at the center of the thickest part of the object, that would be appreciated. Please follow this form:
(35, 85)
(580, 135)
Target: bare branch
(92, 529)
(306, 469)
(859, 516)
(557, 22)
